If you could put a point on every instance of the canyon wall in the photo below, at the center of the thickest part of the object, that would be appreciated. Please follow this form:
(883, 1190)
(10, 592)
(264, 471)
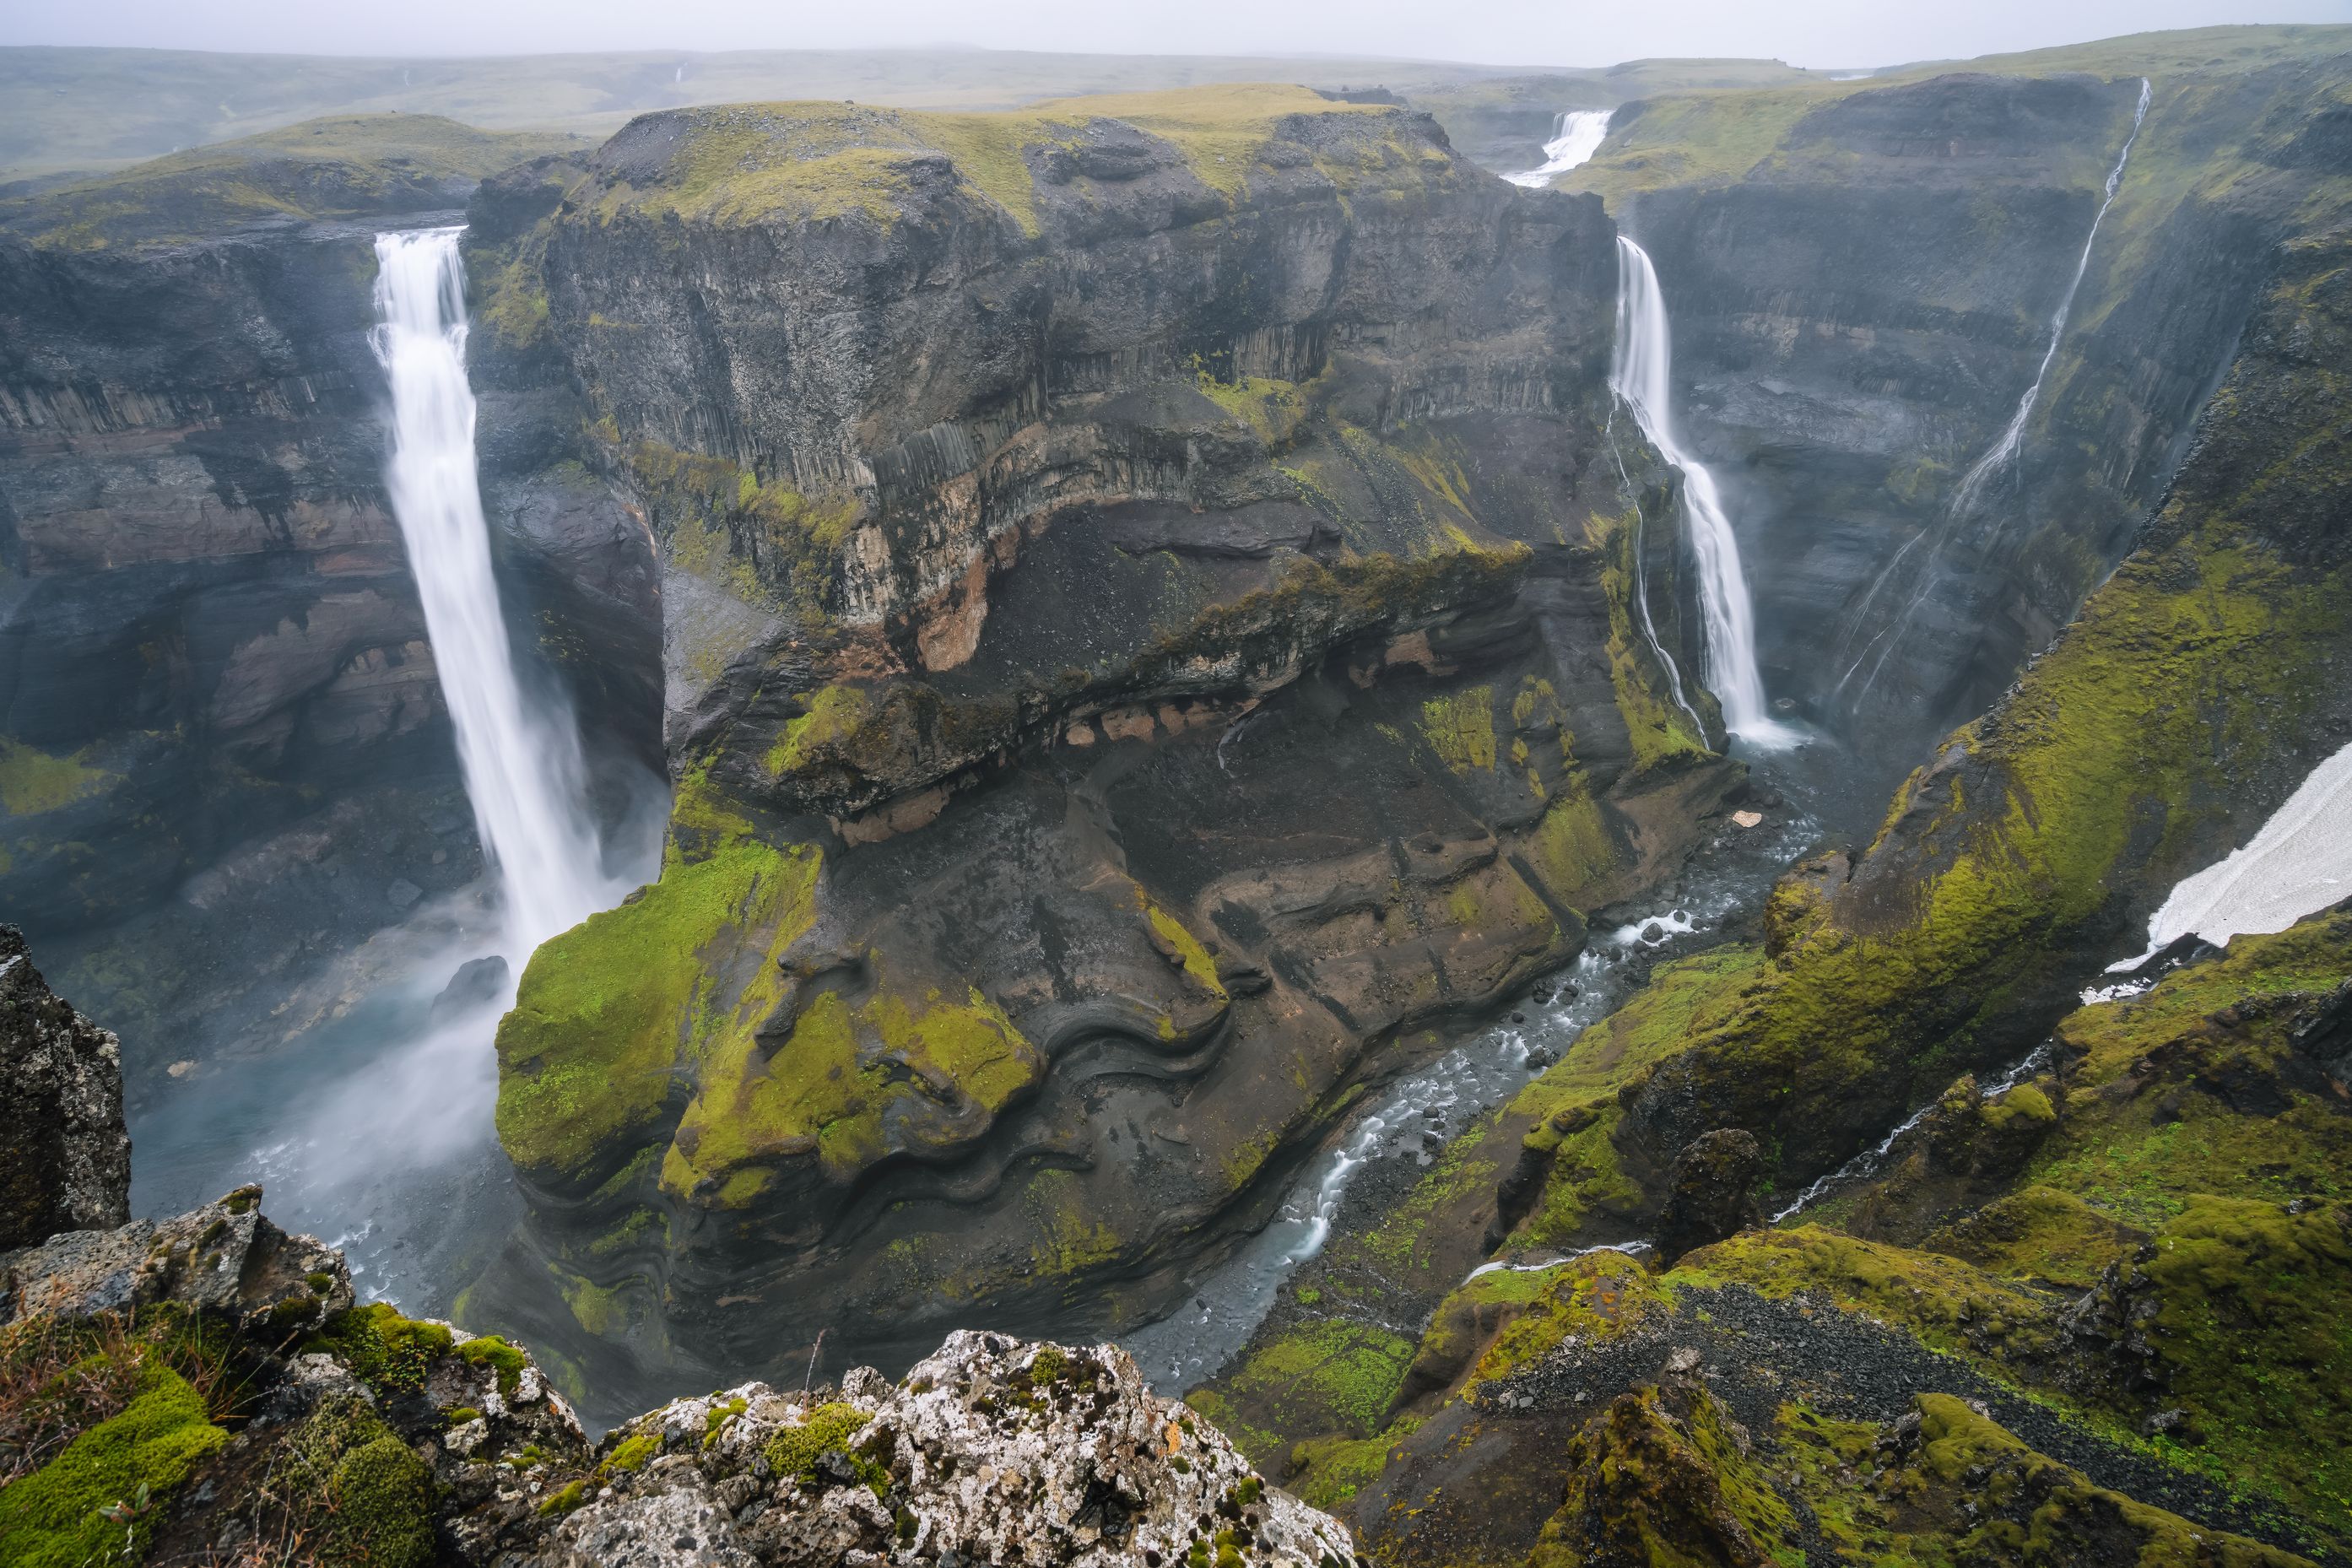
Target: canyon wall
(225, 751)
(1152, 633)
(1864, 280)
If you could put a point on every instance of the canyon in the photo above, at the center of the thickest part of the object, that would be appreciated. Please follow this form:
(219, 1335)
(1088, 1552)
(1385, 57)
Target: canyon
(1158, 629)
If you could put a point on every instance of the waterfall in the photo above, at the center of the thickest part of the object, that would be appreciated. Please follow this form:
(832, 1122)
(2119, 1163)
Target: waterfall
(1640, 373)
(2299, 862)
(2004, 450)
(521, 763)
(1968, 494)
(1575, 137)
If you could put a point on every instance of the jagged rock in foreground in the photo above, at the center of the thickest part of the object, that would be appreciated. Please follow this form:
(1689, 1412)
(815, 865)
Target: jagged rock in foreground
(993, 1450)
(64, 1159)
(225, 1401)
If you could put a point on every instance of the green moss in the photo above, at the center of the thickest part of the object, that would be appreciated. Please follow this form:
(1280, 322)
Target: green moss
(491, 1350)
(1460, 728)
(2024, 1507)
(1178, 939)
(2145, 1132)
(340, 165)
(33, 782)
(58, 1517)
(1598, 1296)
(631, 1453)
(1661, 730)
(794, 1451)
(845, 1076)
(383, 1349)
(834, 715)
(2040, 1236)
(1322, 1375)
(1662, 1480)
(564, 1499)
(608, 1011)
(1945, 1303)
(2254, 1331)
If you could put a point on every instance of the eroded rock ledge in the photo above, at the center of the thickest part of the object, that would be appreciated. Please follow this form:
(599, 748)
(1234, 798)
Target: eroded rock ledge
(231, 1399)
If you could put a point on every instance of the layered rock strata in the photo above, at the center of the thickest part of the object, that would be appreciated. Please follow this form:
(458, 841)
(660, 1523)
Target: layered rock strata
(1156, 625)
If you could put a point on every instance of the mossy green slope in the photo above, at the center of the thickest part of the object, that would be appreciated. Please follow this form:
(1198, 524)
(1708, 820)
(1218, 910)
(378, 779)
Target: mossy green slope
(608, 1014)
(101, 1498)
(336, 168)
(2165, 722)
(743, 163)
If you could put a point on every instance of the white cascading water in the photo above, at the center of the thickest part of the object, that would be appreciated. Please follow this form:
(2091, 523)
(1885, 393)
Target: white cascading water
(2299, 863)
(1574, 139)
(522, 767)
(1970, 492)
(1641, 372)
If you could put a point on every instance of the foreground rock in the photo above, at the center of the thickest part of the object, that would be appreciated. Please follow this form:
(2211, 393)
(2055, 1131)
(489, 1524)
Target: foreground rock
(234, 1400)
(64, 1159)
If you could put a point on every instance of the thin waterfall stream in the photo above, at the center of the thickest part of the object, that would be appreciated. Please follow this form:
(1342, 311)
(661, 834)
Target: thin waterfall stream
(1968, 495)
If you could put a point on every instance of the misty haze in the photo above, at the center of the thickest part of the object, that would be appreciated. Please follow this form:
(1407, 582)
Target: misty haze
(1175, 787)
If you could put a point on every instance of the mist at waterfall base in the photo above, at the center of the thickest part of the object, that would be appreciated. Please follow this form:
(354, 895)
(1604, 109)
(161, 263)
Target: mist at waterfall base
(374, 1127)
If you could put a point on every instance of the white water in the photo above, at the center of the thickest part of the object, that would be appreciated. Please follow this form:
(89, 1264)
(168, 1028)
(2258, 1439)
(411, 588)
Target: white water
(2004, 450)
(2299, 863)
(1868, 1162)
(1641, 374)
(523, 765)
(1574, 139)
(1642, 588)
(2002, 454)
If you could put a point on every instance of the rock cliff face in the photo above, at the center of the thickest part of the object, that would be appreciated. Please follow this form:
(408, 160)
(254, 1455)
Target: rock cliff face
(1153, 628)
(65, 1161)
(228, 1398)
(221, 738)
(1863, 280)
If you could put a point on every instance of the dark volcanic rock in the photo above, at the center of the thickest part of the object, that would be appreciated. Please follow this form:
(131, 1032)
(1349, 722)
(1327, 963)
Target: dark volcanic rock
(1858, 316)
(477, 983)
(64, 1159)
(1712, 1192)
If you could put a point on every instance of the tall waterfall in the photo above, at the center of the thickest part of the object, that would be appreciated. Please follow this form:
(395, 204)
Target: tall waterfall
(1640, 373)
(1575, 137)
(523, 765)
(1967, 496)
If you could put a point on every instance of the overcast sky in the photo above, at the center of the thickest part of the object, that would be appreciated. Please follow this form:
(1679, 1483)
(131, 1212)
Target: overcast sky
(1814, 33)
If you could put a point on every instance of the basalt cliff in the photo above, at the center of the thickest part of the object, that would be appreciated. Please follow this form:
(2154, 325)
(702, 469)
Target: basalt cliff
(1157, 619)
(1158, 630)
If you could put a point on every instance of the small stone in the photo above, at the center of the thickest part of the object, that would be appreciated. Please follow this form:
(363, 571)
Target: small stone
(402, 893)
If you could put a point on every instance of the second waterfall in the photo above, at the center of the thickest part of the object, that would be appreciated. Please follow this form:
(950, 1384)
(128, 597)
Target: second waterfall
(1642, 374)
(522, 767)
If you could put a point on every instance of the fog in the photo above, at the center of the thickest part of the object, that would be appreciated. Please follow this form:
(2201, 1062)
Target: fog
(1825, 33)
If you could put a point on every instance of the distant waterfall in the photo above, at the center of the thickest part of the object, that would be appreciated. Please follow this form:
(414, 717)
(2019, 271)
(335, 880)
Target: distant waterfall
(1640, 373)
(1968, 494)
(1575, 137)
(522, 767)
